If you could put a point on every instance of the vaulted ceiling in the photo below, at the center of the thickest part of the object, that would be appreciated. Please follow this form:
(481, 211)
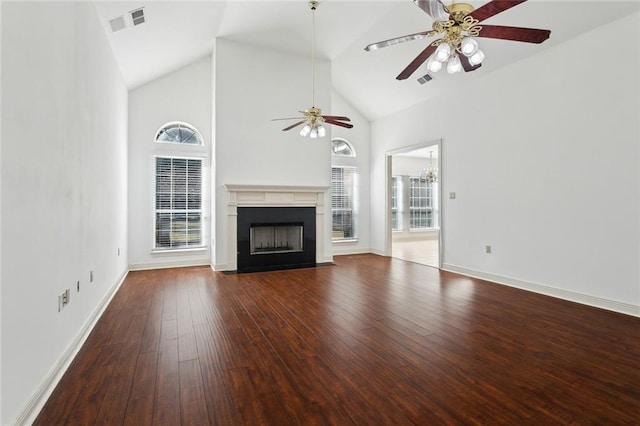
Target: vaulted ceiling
(178, 32)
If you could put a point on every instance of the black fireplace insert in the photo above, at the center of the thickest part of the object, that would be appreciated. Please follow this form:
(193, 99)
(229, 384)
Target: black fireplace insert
(271, 238)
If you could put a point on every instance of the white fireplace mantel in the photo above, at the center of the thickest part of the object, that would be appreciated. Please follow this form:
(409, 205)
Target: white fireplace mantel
(273, 196)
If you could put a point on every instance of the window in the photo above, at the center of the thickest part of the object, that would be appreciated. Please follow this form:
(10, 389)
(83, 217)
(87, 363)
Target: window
(342, 189)
(178, 206)
(180, 133)
(342, 148)
(420, 203)
(396, 203)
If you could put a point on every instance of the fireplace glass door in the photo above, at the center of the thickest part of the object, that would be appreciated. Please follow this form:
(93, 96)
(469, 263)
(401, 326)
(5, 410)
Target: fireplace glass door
(274, 238)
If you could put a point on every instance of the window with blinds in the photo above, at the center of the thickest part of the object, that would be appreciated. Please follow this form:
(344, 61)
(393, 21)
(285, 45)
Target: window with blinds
(420, 203)
(396, 203)
(178, 206)
(342, 202)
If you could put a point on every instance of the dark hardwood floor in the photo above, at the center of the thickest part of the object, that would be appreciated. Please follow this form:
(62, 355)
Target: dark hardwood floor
(368, 341)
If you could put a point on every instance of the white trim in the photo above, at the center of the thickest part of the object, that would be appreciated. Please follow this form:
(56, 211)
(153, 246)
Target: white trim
(344, 240)
(168, 264)
(379, 252)
(274, 188)
(388, 236)
(585, 299)
(350, 250)
(184, 124)
(51, 380)
(272, 196)
(219, 267)
(179, 250)
(353, 149)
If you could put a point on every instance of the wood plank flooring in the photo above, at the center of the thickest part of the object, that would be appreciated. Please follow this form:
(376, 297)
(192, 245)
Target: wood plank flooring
(368, 341)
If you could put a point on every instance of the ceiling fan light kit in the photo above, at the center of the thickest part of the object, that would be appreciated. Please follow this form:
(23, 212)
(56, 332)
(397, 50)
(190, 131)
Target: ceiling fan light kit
(312, 118)
(458, 25)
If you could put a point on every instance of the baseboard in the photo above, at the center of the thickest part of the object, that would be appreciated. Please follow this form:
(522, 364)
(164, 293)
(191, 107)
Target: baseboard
(324, 259)
(44, 391)
(343, 250)
(585, 299)
(378, 252)
(168, 264)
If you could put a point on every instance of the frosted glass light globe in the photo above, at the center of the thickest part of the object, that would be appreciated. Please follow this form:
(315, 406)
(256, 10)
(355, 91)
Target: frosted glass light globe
(305, 130)
(454, 65)
(434, 65)
(476, 58)
(468, 46)
(443, 52)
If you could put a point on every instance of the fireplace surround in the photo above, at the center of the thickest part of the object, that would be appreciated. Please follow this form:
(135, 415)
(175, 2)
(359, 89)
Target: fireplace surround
(271, 238)
(240, 196)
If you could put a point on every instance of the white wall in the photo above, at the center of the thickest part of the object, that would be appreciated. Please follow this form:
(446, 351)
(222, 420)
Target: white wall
(545, 169)
(64, 174)
(410, 166)
(360, 137)
(254, 85)
(183, 95)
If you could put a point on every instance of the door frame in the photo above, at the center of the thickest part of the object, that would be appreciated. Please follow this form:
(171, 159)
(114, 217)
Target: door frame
(389, 173)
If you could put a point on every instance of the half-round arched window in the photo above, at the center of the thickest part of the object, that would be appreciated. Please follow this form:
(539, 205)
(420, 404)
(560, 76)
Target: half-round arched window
(178, 132)
(342, 147)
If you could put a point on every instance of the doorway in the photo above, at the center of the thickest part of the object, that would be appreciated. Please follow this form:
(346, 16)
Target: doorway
(414, 206)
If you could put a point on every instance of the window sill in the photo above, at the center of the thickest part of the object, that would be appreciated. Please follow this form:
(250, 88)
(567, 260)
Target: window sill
(344, 240)
(179, 250)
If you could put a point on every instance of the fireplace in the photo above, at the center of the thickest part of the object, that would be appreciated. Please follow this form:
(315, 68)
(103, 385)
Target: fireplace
(276, 238)
(253, 196)
(267, 238)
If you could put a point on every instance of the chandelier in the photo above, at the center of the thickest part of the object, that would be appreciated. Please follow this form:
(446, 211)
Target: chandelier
(457, 37)
(429, 174)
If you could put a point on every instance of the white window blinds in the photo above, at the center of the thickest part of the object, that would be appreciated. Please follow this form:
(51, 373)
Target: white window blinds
(342, 201)
(178, 206)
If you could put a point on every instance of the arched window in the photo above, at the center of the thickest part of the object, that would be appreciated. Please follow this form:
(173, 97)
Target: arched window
(343, 190)
(178, 132)
(342, 147)
(179, 206)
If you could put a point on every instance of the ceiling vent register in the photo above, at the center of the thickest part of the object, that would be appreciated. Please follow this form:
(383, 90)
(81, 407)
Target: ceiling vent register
(117, 24)
(138, 17)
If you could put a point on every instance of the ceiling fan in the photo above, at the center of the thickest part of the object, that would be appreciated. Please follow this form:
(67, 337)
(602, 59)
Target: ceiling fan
(312, 118)
(458, 24)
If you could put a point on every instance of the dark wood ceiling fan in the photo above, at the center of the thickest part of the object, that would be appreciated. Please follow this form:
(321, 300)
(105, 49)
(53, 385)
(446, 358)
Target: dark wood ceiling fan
(312, 118)
(458, 24)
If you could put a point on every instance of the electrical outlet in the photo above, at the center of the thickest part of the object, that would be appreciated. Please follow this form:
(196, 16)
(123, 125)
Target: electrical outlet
(452, 195)
(90, 276)
(487, 249)
(64, 299)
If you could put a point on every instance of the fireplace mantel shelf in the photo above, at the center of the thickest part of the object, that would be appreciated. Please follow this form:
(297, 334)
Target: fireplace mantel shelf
(274, 188)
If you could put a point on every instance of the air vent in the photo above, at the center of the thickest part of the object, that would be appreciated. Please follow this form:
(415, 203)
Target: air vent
(117, 24)
(137, 16)
(425, 78)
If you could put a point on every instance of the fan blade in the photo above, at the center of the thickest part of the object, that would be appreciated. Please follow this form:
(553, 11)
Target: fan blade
(493, 8)
(336, 117)
(466, 65)
(527, 35)
(288, 118)
(338, 123)
(434, 8)
(413, 66)
(397, 40)
(293, 125)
